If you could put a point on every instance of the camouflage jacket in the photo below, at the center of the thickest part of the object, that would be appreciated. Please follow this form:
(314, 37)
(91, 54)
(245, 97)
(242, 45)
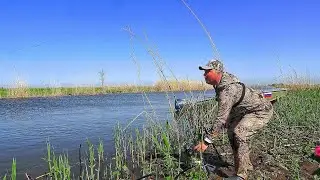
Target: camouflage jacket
(229, 92)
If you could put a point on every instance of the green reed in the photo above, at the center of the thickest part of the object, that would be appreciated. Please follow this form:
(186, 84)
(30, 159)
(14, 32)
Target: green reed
(13, 175)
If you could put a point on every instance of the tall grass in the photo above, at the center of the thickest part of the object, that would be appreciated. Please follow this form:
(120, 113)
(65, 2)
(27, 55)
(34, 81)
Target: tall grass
(58, 166)
(180, 85)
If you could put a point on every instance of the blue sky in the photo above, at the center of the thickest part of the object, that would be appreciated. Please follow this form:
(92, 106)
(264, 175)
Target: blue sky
(67, 42)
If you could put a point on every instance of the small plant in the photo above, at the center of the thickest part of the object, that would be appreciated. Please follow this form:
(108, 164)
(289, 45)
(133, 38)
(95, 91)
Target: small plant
(14, 170)
(92, 160)
(58, 166)
(100, 158)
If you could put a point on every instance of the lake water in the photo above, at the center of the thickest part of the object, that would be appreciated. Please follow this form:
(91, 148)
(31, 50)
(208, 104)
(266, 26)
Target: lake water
(25, 124)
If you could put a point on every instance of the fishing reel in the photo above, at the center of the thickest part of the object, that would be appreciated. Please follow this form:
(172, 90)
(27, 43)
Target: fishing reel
(207, 140)
(206, 137)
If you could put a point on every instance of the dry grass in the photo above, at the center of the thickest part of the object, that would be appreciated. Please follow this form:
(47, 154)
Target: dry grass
(181, 85)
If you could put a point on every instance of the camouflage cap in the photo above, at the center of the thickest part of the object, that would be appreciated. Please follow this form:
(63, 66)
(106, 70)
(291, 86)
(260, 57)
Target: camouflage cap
(213, 64)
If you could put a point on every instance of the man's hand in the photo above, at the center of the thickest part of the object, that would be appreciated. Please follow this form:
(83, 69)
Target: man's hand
(201, 147)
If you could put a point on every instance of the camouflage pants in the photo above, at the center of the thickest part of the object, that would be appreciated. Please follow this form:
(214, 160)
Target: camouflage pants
(239, 131)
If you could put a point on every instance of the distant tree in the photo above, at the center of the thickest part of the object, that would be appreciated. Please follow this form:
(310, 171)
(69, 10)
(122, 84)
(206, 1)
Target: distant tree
(102, 77)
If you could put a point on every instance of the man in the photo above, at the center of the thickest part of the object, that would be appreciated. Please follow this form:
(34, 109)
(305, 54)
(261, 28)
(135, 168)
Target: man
(241, 110)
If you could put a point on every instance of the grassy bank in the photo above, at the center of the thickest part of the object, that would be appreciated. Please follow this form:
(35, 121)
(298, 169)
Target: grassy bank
(160, 148)
(159, 86)
(282, 150)
(286, 145)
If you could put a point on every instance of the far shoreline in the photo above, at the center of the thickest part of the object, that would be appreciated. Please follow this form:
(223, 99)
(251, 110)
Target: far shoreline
(34, 92)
